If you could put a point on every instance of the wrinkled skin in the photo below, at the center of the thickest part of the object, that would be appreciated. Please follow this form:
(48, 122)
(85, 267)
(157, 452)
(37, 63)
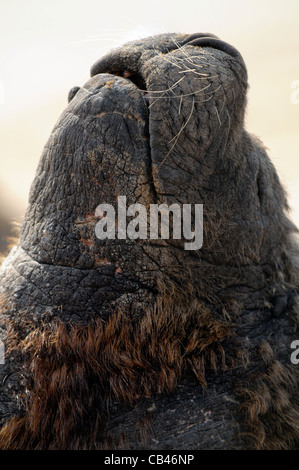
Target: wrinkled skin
(161, 121)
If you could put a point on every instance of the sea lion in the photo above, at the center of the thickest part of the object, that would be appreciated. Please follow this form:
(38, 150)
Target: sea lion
(140, 343)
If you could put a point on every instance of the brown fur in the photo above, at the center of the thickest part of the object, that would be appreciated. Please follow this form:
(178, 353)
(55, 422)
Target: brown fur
(75, 371)
(270, 405)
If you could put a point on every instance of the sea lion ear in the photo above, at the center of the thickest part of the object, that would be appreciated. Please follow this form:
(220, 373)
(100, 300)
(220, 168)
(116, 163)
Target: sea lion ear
(72, 93)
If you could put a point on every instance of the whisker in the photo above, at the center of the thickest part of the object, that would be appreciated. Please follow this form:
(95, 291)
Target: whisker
(187, 94)
(182, 128)
(218, 115)
(169, 61)
(196, 73)
(105, 34)
(177, 137)
(181, 48)
(180, 105)
(164, 91)
(202, 58)
(204, 101)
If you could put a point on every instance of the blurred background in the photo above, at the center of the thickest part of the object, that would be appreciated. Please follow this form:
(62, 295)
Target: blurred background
(48, 47)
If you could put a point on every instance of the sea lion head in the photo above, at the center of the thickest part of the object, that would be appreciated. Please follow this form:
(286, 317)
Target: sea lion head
(161, 121)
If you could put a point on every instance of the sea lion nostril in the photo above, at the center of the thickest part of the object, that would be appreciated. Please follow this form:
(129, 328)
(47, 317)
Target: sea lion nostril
(127, 74)
(215, 43)
(195, 36)
(134, 77)
(137, 79)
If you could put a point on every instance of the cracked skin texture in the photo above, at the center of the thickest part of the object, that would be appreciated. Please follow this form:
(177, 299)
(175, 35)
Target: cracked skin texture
(139, 343)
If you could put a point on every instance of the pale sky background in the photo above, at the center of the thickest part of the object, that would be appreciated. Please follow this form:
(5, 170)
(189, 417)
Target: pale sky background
(47, 47)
